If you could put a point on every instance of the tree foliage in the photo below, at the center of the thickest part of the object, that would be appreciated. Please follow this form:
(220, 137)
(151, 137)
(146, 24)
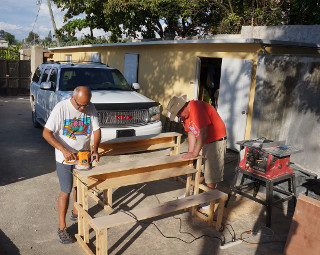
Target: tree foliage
(169, 18)
(10, 38)
(33, 38)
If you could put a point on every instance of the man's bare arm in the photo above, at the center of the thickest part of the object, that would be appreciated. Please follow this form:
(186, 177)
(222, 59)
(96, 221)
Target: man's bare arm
(195, 149)
(48, 136)
(96, 142)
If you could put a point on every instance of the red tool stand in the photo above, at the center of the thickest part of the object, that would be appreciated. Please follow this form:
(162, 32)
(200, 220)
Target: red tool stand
(265, 163)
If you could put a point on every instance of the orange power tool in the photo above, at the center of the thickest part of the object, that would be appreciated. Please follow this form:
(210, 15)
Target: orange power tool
(83, 160)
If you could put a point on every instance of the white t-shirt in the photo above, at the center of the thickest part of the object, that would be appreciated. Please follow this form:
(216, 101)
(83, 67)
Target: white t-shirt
(71, 127)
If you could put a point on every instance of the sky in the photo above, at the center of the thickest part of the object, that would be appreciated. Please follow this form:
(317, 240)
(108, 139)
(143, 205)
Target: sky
(18, 17)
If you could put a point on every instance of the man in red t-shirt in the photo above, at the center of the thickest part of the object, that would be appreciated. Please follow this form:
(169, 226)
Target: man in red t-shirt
(206, 131)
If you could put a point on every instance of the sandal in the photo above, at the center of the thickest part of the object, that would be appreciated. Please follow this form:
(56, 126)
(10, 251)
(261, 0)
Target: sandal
(74, 217)
(64, 236)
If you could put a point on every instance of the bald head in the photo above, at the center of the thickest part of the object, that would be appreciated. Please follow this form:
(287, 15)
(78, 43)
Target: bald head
(82, 91)
(81, 97)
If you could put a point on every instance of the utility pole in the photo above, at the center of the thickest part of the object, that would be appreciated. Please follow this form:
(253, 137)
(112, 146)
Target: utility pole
(53, 23)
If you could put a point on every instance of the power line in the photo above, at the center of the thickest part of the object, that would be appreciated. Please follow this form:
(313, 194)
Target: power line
(39, 3)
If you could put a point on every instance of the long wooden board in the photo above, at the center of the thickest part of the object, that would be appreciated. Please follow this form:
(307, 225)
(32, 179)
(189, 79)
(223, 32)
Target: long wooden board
(127, 145)
(145, 213)
(119, 181)
(127, 165)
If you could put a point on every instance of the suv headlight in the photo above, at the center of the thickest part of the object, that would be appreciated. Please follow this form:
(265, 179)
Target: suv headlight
(154, 113)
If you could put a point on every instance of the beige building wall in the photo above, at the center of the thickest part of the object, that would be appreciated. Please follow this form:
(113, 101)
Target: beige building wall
(169, 69)
(164, 70)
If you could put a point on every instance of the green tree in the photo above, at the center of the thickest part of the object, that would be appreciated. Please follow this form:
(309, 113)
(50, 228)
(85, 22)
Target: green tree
(168, 18)
(10, 38)
(33, 38)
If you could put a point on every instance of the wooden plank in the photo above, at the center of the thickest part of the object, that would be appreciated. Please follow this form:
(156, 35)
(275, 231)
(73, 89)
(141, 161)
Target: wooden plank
(149, 137)
(136, 164)
(145, 213)
(83, 245)
(304, 233)
(126, 180)
(113, 151)
(139, 143)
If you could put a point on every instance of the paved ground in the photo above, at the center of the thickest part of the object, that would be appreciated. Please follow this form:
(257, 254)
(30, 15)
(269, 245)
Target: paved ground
(28, 202)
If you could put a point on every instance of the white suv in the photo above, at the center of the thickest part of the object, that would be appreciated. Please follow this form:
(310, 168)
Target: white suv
(122, 111)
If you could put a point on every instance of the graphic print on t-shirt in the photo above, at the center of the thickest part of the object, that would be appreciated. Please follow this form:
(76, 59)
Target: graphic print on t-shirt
(194, 129)
(74, 127)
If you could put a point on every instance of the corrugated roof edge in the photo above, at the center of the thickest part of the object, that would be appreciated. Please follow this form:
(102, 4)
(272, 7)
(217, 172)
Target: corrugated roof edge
(162, 42)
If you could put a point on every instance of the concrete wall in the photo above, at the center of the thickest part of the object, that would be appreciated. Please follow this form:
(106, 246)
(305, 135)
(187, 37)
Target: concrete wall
(287, 104)
(298, 33)
(36, 57)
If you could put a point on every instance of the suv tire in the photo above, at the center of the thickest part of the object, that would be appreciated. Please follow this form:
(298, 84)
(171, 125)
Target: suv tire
(35, 123)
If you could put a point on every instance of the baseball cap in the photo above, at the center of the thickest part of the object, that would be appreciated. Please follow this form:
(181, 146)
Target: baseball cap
(175, 105)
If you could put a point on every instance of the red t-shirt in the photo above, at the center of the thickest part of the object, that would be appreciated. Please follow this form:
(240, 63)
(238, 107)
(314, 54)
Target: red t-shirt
(203, 114)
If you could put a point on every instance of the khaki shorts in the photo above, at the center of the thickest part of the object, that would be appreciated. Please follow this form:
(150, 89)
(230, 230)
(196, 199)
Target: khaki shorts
(214, 161)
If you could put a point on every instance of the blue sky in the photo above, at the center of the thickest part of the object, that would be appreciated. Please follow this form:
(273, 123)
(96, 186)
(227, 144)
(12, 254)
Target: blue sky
(18, 18)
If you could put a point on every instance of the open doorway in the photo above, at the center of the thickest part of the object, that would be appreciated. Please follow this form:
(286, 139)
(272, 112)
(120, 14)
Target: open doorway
(209, 82)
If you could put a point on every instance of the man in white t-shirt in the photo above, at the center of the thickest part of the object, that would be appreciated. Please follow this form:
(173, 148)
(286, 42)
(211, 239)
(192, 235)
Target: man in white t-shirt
(69, 130)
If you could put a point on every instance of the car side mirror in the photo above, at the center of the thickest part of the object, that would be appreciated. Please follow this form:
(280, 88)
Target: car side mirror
(47, 85)
(135, 86)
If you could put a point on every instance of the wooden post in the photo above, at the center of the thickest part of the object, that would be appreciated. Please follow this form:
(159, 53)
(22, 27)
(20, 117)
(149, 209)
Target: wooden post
(197, 180)
(85, 207)
(211, 212)
(178, 144)
(220, 209)
(102, 242)
(79, 201)
(188, 184)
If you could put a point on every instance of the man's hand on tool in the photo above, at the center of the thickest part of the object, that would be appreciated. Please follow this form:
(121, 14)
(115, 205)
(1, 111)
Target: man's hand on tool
(95, 156)
(69, 155)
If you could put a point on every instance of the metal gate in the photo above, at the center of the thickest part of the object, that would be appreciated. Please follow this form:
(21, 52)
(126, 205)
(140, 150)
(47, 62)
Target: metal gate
(15, 77)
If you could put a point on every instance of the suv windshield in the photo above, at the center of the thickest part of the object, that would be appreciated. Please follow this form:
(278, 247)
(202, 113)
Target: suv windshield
(94, 78)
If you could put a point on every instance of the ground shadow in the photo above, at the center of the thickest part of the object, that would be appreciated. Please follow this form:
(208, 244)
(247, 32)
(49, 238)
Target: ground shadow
(7, 247)
(24, 153)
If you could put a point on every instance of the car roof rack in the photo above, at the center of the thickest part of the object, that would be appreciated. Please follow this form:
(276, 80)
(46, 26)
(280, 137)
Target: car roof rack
(72, 62)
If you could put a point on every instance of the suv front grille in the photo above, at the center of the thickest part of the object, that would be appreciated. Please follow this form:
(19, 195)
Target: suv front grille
(122, 118)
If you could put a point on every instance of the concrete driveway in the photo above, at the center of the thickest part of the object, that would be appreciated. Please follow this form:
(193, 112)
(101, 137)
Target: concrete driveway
(28, 201)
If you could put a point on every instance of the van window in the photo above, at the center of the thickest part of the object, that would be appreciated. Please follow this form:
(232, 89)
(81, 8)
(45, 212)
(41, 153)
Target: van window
(36, 75)
(94, 78)
(45, 74)
(53, 77)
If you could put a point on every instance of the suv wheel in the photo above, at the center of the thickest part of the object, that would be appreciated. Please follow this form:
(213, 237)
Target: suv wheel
(35, 123)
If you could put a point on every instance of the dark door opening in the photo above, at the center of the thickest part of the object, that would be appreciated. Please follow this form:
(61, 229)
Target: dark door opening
(209, 82)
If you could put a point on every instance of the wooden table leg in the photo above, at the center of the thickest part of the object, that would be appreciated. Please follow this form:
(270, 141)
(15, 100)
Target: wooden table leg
(102, 242)
(196, 182)
(85, 201)
(211, 212)
(80, 202)
(220, 209)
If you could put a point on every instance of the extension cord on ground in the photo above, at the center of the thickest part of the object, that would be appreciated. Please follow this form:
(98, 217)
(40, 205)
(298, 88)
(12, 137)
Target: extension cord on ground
(228, 245)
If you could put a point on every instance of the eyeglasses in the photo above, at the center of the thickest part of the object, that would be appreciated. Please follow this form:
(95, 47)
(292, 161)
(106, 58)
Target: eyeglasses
(80, 105)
